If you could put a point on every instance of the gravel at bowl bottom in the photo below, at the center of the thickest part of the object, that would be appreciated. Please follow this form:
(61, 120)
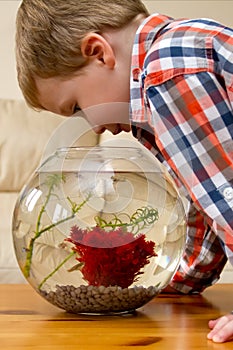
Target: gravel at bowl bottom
(99, 300)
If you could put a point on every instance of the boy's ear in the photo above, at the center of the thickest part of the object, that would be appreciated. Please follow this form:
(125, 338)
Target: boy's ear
(94, 45)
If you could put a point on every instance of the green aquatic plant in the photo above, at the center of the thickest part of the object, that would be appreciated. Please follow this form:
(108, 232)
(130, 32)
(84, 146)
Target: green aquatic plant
(113, 252)
(121, 227)
(52, 181)
(140, 219)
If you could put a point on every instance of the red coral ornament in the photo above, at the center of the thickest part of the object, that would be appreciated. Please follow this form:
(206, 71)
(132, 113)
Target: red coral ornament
(111, 257)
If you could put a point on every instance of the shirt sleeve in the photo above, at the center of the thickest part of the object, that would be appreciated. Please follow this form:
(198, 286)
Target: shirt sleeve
(203, 259)
(191, 116)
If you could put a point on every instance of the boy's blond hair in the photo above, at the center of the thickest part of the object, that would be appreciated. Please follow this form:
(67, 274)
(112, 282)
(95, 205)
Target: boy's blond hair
(49, 34)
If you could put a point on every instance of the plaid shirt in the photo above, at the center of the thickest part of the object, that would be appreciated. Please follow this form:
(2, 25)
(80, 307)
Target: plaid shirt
(182, 94)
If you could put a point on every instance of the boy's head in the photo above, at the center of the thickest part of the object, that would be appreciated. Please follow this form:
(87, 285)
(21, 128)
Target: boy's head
(50, 33)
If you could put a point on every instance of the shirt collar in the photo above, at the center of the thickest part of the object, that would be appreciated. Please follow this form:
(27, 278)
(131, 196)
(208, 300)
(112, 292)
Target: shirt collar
(144, 38)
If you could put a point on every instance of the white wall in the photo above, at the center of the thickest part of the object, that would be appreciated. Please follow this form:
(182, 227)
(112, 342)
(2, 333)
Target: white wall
(220, 10)
(8, 82)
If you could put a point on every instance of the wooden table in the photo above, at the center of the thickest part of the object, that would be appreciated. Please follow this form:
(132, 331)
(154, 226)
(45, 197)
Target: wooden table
(168, 322)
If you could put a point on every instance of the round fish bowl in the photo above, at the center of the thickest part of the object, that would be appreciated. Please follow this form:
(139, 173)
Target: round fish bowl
(99, 230)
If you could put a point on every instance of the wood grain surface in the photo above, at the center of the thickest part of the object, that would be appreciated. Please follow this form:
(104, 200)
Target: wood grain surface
(169, 322)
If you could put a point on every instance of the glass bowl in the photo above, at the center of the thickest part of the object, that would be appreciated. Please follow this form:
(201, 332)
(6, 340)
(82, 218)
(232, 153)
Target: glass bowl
(99, 230)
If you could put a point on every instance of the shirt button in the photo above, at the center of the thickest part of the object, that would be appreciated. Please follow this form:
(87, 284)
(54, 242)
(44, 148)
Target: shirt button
(136, 74)
(228, 193)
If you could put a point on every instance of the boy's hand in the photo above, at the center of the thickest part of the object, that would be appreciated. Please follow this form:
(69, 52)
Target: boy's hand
(221, 329)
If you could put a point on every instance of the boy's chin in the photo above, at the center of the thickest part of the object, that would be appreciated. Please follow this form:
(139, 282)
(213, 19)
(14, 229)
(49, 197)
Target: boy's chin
(125, 127)
(119, 128)
(113, 128)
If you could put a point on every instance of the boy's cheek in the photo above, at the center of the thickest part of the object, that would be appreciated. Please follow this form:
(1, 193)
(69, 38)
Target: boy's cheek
(108, 113)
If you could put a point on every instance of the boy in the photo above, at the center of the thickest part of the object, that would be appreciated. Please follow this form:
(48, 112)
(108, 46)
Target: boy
(177, 77)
